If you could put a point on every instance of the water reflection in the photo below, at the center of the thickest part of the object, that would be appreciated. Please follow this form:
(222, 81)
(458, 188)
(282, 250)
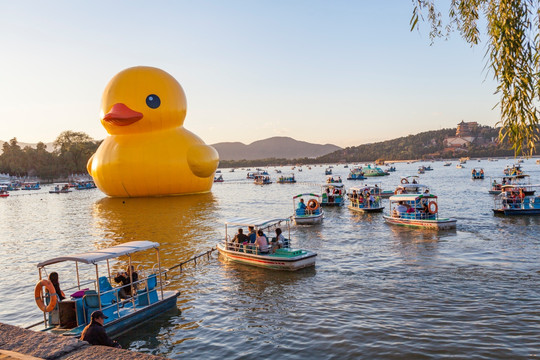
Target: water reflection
(181, 224)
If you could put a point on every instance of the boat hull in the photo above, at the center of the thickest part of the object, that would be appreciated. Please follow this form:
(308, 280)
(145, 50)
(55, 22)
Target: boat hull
(440, 224)
(366, 210)
(126, 323)
(274, 262)
(308, 220)
(516, 212)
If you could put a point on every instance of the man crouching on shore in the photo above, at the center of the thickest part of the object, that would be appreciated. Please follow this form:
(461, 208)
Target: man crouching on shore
(95, 333)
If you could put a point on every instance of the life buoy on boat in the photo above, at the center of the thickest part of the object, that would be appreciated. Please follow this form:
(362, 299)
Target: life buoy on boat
(40, 298)
(398, 191)
(313, 204)
(433, 207)
(404, 181)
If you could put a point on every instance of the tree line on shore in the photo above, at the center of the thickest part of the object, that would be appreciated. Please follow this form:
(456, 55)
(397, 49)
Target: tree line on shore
(71, 153)
(73, 149)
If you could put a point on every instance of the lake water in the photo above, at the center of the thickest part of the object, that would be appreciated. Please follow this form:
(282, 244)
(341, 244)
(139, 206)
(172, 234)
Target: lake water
(377, 291)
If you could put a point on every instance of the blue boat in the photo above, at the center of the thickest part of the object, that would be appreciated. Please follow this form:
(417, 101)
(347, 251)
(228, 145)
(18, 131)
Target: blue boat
(356, 174)
(70, 316)
(514, 200)
(373, 171)
(333, 194)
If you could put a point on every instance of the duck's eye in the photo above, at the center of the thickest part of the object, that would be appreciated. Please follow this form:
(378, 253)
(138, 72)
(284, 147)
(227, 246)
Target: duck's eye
(153, 101)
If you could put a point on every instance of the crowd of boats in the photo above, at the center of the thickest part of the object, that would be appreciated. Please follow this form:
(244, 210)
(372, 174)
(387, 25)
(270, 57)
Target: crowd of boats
(59, 188)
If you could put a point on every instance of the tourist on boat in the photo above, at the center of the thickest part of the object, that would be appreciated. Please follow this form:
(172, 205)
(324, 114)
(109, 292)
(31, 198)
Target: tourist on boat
(239, 239)
(252, 234)
(278, 241)
(95, 334)
(414, 181)
(354, 195)
(262, 242)
(125, 278)
(53, 278)
(401, 208)
(371, 199)
(301, 205)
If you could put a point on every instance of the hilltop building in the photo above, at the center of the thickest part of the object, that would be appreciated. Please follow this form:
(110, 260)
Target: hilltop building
(466, 135)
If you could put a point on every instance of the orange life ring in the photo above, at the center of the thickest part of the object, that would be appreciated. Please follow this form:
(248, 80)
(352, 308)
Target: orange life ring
(40, 298)
(398, 191)
(404, 181)
(432, 207)
(313, 204)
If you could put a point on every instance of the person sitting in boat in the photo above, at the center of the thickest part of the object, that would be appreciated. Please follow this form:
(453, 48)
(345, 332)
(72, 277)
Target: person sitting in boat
(252, 236)
(278, 241)
(95, 334)
(302, 205)
(53, 278)
(401, 208)
(125, 279)
(360, 199)
(261, 242)
(239, 239)
(414, 181)
(57, 188)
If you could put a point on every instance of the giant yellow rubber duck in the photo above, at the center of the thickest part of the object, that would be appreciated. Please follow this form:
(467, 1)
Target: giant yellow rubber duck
(148, 152)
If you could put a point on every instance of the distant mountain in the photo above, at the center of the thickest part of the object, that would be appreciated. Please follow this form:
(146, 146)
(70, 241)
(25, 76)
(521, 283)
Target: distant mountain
(274, 147)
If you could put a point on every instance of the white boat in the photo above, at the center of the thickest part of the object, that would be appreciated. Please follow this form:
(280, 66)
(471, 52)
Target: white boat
(359, 199)
(459, 166)
(417, 210)
(62, 188)
(262, 180)
(312, 213)
(70, 316)
(285, 258)
(514, 200)
(333, 194)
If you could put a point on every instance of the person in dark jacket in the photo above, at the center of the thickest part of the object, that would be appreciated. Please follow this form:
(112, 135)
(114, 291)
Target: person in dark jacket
(125, 279)
(95, 333)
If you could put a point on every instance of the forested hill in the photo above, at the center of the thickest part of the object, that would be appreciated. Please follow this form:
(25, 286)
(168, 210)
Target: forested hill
(429, 144)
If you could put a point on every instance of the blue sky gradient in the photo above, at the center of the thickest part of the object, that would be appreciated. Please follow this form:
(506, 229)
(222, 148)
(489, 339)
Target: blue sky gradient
(342, 72)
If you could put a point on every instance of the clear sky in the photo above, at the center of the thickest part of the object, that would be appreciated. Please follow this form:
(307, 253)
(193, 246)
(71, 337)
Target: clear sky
(341, 72)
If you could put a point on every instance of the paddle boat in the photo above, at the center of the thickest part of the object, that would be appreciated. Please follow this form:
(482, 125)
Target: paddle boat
(363, 199)
(421, 170)
(278, 171)
(262, 180)
(428, 168)
(391, 169)
(218, 179)
(70, 316)
(373, 171)
(417, 210)
(477, 175)
(356, 174)
(513, 170)
(3, 191)
(522, 180)
(333, 194)
(333, 179)
(514, 201)
(11, 186)
(463, 160)
(60, 189)
(286, 179)
(308, 210)
(30, 186)
(346, 166)
(251, 175)
(86, 185)
(459, 166)
(328, 171)
(285, 258)
(232, 170)
(447, 164)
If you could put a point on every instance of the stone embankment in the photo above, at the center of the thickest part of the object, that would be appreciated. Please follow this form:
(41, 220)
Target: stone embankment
(22, 344)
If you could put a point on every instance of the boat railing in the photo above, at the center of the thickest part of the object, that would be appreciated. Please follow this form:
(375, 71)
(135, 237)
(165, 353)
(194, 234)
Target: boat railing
(416, 215)
(250, 248)
(365, 204)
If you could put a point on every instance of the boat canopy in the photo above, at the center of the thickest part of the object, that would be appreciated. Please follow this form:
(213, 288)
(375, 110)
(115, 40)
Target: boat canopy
(305, 194)
(255, 222)
(93, 257)
(362, 188)
(411, 197)
(338, 185)
(413, 186)
(518, 186)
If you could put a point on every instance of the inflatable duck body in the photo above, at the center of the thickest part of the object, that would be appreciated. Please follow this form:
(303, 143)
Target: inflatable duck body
(148, 152)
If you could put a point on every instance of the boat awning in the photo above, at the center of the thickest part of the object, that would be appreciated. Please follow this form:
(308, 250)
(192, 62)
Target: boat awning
(338, 185)
(411, 197)
(413, 186)
(305, 194)
(362, 188)
(93, 257)
(256, 222)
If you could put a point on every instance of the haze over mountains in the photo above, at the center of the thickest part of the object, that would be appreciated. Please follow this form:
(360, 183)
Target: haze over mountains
(278, 147)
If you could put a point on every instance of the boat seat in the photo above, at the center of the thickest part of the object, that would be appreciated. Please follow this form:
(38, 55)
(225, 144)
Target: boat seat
(91, 304)
(300, 212)
(105, 287)
(149, 295)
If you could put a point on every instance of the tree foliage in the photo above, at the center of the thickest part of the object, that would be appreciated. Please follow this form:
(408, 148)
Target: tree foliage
(513, 56)
(73, 149)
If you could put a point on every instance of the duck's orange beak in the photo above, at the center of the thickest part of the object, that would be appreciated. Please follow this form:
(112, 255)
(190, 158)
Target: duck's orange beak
(121, 115)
